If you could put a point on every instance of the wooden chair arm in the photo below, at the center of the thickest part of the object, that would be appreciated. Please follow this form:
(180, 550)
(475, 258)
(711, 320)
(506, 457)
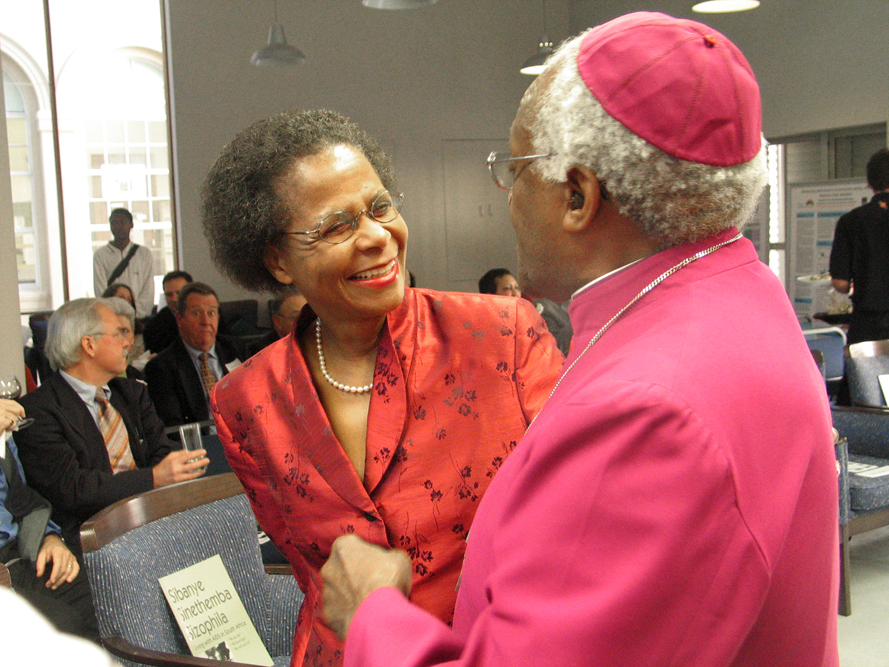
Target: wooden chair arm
(5, 578)
(118, 646)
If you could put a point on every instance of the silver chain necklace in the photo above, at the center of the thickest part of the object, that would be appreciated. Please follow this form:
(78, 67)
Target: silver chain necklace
(349, 389)
(645, 290)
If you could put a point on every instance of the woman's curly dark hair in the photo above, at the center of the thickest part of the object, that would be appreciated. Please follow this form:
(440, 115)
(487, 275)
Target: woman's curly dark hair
(241, 211)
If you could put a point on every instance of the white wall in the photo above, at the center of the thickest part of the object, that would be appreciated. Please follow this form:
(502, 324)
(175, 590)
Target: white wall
(451, 71)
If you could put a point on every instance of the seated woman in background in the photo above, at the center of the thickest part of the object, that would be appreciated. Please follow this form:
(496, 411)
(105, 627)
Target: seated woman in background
(137, 357)
(124, 292)
(121, 290)
(388, 410)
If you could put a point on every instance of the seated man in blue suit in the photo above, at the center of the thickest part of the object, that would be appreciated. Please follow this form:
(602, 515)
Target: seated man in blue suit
(96, 437)
(181, 377)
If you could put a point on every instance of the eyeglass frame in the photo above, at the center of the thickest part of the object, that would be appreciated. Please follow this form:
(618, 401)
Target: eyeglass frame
(120, 334)
(493, 159)
(353, 221)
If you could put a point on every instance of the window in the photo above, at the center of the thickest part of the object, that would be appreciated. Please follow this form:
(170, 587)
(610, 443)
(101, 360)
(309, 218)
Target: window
(19, 131)
(110, 136)
(127, 164)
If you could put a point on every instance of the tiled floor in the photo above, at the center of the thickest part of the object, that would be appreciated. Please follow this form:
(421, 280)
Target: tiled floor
(864, 636)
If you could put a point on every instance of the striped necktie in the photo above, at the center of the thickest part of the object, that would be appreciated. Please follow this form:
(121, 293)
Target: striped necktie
(208, 377)
(114, 431)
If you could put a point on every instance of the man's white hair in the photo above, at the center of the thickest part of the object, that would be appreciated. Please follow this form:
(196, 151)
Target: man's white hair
(121, 307)
(67, 327)
(674, 201)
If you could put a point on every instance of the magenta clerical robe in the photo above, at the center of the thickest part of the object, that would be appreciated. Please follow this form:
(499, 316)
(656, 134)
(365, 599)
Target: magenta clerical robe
(675, 502)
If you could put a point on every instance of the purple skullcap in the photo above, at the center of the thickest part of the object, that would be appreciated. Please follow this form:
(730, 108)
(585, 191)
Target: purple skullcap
(678, 84)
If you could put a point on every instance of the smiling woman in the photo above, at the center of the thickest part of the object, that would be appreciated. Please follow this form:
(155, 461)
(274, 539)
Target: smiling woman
(388, 410)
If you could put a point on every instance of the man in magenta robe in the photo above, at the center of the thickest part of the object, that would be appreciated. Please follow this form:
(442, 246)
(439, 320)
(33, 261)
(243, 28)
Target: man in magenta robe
(675, 501)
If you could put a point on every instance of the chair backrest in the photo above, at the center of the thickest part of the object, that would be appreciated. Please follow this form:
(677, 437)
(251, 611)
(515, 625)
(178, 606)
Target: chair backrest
(831, 341)
(866, 429)
(132, 543)
(868, 348)
(239, 318)
(865, 362)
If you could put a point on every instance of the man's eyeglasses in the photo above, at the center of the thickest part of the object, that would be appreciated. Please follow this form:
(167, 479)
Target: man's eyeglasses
(504, 171)
(120, 334)
(338, 227)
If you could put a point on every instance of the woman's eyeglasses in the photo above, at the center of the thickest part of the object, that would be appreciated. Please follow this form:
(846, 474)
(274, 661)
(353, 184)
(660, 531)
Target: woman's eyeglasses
(338, 227)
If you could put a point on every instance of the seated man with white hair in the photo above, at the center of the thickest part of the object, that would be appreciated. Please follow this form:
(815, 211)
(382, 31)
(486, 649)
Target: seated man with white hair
(96, 438)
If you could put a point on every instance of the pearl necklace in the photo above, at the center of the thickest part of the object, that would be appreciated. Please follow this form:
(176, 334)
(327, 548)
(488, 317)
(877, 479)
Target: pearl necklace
(339, 385)
(645, 290)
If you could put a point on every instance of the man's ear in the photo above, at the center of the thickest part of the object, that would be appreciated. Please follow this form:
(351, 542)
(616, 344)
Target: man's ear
(88, 346)
(583, 197)
(272, 258)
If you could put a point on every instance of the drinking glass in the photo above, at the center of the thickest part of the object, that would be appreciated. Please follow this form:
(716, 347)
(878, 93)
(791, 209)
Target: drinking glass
(191, 438)
(11, 388)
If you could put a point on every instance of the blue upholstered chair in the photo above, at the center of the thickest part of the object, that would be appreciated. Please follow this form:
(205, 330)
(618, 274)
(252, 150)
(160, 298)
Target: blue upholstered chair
(830, 343)
(132, 543)
(865, 362)
(864, 500)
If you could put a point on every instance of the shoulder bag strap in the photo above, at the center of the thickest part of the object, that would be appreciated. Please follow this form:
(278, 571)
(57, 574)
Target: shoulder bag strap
(120, 268)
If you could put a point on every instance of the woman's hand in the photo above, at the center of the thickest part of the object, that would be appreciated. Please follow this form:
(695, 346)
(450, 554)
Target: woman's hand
(10, 411)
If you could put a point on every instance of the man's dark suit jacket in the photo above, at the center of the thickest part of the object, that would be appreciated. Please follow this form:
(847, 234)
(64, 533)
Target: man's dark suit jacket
(262, 342)
(174, 383)
(160, 330)
(64, 455)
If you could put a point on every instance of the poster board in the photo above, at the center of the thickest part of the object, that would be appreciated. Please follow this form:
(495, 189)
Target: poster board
(757, 228)
(813, 212)
(210, 614)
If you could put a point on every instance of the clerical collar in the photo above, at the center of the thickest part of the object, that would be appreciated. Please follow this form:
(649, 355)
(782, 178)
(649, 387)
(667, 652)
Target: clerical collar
(607, 275)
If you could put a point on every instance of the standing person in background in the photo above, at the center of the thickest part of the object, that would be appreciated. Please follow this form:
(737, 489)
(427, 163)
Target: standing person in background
(124, 261)
(859, 258)
(644, 518)
(499, 281)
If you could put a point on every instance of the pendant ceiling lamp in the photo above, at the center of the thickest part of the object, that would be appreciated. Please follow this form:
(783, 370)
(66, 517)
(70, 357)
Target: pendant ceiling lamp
(534, 65)
(277, 51)
(724, 6)
(397, 4)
